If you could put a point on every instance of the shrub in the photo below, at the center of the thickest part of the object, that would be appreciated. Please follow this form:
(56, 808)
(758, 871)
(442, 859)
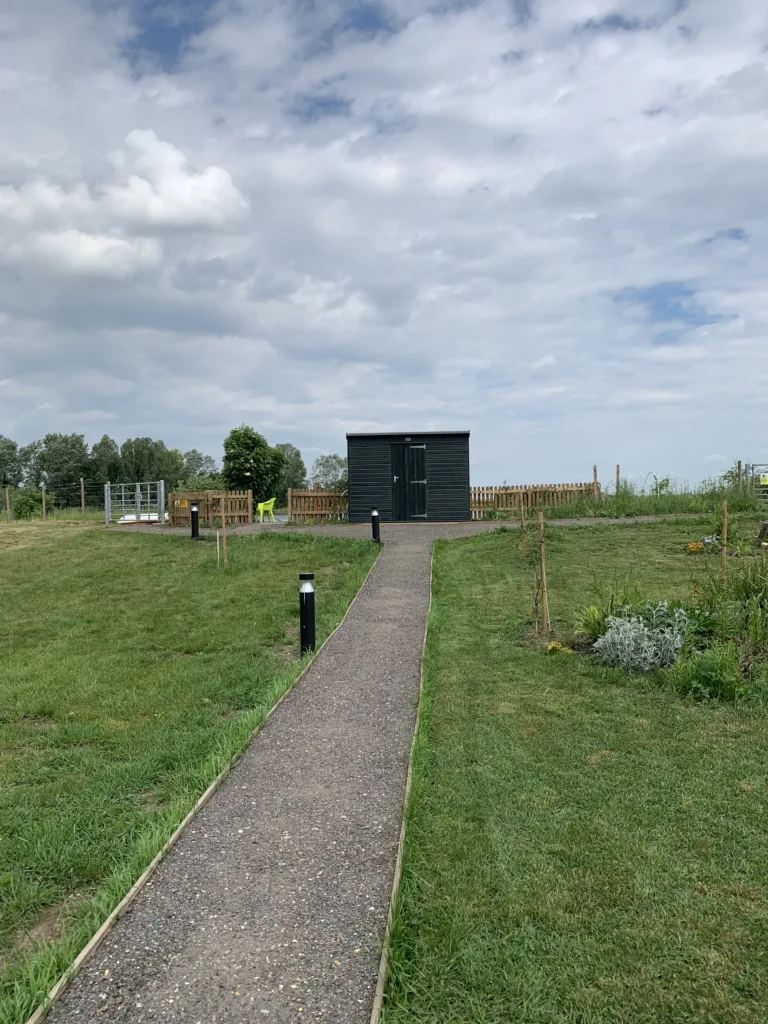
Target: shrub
(611, 598)
(636, 645)
(714, 673)
(28, 503)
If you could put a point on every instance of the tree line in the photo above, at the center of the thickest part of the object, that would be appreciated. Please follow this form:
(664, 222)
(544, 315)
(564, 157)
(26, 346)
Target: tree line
(59, 461)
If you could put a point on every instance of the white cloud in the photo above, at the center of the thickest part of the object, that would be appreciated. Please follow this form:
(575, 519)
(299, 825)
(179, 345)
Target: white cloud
(486, 189)
(547, 360)
(166, 193)
(74, 252)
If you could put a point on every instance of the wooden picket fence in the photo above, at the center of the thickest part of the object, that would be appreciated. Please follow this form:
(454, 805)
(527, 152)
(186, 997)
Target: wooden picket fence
(484, 500)
(313, 506)
(236, 506)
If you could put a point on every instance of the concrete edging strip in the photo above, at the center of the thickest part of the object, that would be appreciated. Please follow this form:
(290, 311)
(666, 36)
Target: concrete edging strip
(378, 999)
(96, 940)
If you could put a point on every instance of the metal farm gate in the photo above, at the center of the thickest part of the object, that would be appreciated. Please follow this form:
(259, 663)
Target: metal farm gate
(135, 503)
(756, 476)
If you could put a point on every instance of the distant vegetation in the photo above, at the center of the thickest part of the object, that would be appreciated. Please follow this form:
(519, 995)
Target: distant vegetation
(59, 461)
(663, 498)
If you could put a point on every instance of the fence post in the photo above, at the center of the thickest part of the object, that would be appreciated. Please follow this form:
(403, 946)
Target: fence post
(82, 497)
(618, 479)
(42, 488)
(290, 495)
(250, 506)
(7, 503)
(725, 539)
(161, 500)
(544, 597)
(738, 473)
(224, 532)
(107, 503)
(522, 527)
(595, 485)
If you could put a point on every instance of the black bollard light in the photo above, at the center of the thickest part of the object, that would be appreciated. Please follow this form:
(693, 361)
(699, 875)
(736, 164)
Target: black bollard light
(375, 528)
(307, 612)
(195, 521)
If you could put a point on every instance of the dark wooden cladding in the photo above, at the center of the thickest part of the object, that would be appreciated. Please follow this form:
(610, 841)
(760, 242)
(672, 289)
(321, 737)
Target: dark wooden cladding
(375, 459)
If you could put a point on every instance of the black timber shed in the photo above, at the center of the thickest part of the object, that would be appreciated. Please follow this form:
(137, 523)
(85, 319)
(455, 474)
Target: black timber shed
(409, 477)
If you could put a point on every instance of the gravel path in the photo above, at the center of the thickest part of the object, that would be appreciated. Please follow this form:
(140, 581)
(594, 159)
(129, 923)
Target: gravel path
(273, 903)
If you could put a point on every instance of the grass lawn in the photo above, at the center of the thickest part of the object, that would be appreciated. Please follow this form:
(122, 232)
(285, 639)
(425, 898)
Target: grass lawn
(581, 847)
(131, 671)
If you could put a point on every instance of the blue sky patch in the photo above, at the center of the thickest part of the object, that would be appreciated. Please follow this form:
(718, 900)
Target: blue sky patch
(311, 107)
(163, 31)
(618, 22)
(363, 19)
(735, 234)
(669, 301)
(523, 10)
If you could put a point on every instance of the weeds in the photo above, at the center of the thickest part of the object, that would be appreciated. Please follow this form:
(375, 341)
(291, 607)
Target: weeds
(714, 645)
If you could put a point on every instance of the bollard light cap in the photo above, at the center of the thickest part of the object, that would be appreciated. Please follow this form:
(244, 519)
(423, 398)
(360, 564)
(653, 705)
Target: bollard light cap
(374, 512)
(306, 575)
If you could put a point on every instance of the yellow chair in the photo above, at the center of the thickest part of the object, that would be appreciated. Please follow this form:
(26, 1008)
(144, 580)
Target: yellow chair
(266, 506)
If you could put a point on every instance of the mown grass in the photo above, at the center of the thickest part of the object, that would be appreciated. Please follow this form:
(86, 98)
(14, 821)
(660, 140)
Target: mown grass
(582, 846)
(131, 671)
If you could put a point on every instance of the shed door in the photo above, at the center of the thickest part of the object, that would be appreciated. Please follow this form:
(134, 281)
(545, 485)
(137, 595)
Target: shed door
(409, 481)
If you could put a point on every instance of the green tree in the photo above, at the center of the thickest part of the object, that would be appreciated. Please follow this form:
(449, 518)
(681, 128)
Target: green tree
(145, 459)
(63, 459)
(251, 464)
(196, 464)
(29, 464)
(329, 472)
(212, 482)
(10, 466)
(294, 471)
(105, 464)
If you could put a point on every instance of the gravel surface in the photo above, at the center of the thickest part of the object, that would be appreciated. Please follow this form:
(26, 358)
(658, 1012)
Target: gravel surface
(273, 903)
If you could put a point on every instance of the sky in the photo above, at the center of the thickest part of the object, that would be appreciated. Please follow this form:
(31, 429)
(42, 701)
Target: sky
(540, 220)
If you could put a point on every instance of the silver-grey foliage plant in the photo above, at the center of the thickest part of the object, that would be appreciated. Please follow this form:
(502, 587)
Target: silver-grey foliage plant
(642, 644)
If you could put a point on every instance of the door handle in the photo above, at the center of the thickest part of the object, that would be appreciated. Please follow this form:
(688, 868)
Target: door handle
(397, 478)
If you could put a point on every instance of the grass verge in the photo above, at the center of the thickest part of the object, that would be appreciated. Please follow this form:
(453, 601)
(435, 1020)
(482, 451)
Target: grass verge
(581, 847)
(131, 672)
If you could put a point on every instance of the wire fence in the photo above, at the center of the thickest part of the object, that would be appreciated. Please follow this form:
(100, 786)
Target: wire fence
(86, 501)
(67, 502)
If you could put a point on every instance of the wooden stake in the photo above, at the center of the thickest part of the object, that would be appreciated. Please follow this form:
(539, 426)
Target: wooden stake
(725, 539)
(618, 479)
(290, 495)
(7, 503)
(542, 556)
(224, 531)
(522, 528)
(82, 497)
(595, 485)
(43, 490)
(738, 473)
